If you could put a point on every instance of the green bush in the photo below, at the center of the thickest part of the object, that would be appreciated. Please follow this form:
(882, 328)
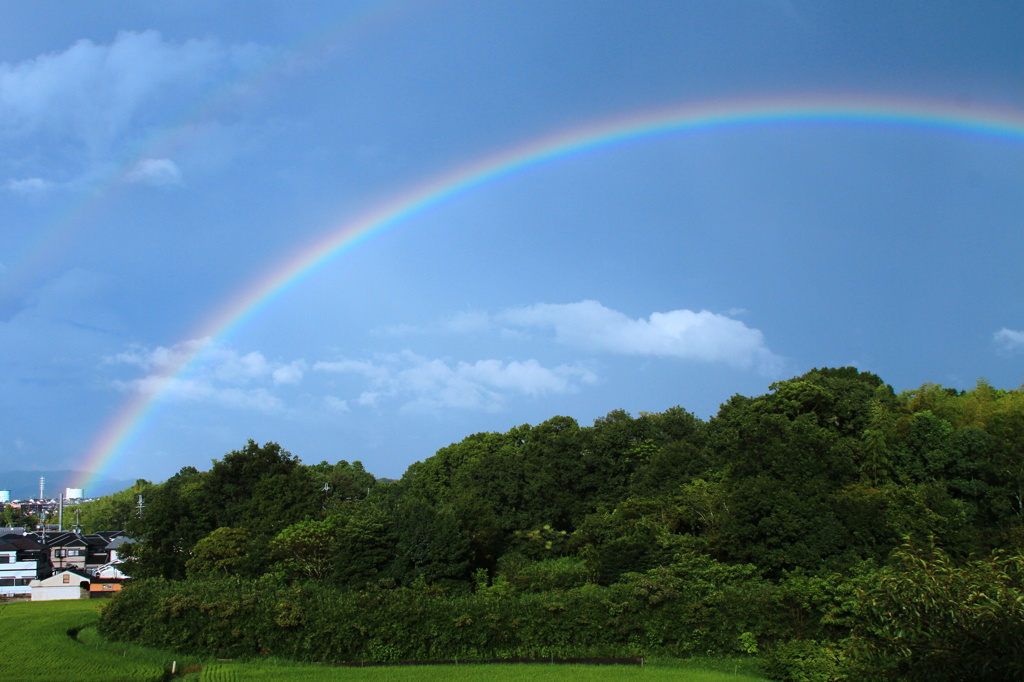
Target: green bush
(695, 606)
(804, 660)
(927, 618)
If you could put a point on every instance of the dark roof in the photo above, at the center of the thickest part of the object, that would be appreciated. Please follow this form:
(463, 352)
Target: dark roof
(100, 540)
(109, 535)
(66, 539)
(77, 571)
(19, 543)
(118, 541)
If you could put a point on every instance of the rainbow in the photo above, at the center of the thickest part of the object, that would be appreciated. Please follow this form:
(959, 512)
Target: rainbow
(690, 119)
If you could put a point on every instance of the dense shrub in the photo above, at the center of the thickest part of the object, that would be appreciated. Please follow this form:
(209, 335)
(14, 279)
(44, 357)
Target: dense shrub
(697, 606)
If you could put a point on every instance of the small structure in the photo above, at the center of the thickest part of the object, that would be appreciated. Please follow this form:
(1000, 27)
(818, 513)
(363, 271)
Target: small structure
(70, 583)
(107, 580)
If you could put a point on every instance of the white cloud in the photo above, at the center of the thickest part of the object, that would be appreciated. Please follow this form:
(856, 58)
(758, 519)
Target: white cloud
(363, 367)
(160, 359)
(81, 105)
(427, 383)
(1009, 340)
(202, 370)
(291, 373)
(29, 186)
(156, 172)
(203, 390)
(698, 336)
(336, 404)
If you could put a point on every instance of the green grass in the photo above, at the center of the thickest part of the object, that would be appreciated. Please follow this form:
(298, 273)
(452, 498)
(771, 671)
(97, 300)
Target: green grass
(677, 671)
(37, 642)
(58, 641)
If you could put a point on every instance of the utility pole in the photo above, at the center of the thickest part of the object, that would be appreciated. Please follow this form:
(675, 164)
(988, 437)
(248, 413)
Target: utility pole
(140, 505)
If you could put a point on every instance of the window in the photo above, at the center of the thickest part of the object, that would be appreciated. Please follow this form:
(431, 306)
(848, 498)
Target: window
(5, 558)
(7, 582)
(67, 577)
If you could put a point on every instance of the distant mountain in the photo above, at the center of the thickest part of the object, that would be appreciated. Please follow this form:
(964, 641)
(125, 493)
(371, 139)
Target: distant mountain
(25, 484)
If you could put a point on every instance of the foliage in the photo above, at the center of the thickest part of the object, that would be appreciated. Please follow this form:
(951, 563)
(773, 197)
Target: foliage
(303, 550)
(37, 646)
(112, 512)
(925, 618)
(805, 660)
(223, 552)
(750, 533)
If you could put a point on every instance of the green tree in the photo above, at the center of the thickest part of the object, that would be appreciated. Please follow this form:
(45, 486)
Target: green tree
(263, 488)
(365, 544)
(225, 551)
(430, 545)
(341, 482)
(926, 618)
(175, 517)
(784, 455)
(113, 512)
(305, 550)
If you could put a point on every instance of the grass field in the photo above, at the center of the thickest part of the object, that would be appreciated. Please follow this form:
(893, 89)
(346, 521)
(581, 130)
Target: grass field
(58, 641)
(682, 671)
(38, 644)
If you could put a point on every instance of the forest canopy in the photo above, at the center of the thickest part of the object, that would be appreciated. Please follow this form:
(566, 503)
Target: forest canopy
(789, 524)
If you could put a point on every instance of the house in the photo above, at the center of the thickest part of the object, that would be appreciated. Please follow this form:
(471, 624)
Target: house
(116, 540)
(67, 550)
(70, 583)
(87, 552)
(83, 564)
(22, 560)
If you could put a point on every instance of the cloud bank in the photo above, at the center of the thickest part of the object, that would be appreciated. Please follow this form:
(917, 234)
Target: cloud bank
(429, 384)
(203, 371)
(206, 372)
(683, 334)
(79, 106)
(1009, 341)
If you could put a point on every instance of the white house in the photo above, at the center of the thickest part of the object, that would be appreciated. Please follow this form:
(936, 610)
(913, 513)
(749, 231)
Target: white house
(67, 584)
(21, 562)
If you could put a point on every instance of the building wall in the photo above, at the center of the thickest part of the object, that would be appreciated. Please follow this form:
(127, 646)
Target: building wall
(68, 557)
(105, 587)
(16, 575)
(53, 593)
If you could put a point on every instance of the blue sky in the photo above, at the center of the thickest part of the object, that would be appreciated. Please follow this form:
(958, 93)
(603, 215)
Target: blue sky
(159, 159)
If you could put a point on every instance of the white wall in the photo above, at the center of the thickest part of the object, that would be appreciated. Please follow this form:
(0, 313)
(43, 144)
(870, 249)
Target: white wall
(59, 592)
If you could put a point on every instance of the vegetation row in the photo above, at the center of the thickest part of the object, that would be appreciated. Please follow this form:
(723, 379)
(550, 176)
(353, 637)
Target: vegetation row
(832, 526)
